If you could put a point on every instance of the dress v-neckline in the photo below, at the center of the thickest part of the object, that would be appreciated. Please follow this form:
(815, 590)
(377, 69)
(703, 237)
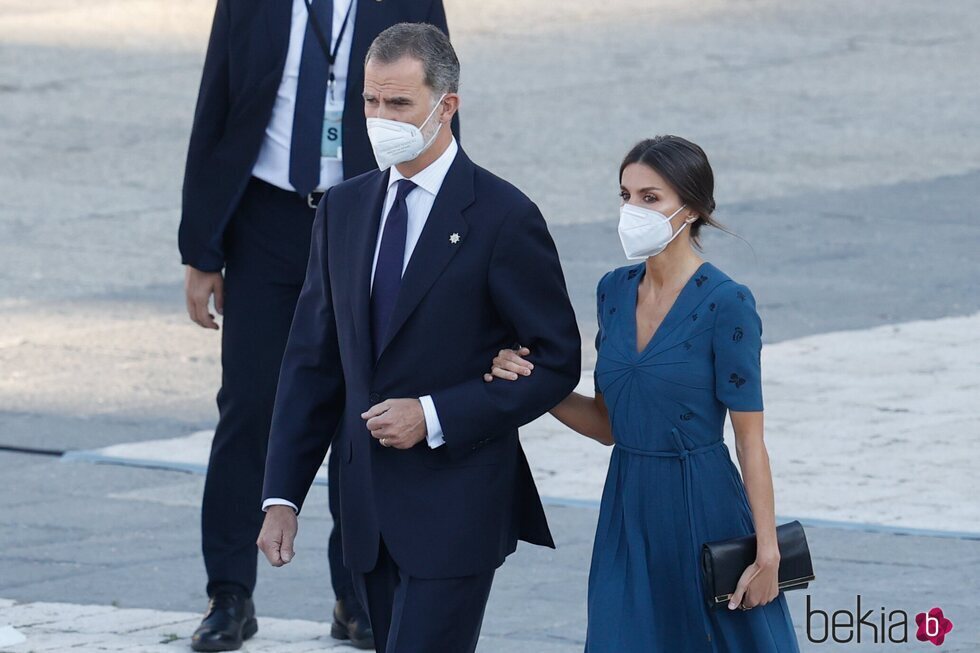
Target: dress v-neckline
(636, 304)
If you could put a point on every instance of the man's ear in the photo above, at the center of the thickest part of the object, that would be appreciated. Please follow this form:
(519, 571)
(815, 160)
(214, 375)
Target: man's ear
(451, 107)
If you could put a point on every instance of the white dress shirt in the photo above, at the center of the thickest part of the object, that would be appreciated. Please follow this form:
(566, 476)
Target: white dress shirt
(272, 164)
(419, 204)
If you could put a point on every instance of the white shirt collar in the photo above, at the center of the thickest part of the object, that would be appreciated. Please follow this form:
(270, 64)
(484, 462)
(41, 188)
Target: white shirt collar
(431, 177)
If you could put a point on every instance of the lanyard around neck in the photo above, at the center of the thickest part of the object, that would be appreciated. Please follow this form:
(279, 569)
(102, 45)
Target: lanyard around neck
(329, 53)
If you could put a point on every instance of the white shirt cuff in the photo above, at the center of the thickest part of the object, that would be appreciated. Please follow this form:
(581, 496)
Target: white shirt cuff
(433, 427)
(278, 502)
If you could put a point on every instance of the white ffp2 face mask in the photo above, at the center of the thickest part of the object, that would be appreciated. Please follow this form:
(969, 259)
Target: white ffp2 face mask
(645, 232)
(395, 142)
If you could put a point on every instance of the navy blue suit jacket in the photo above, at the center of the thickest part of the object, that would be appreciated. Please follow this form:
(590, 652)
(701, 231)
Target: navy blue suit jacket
(242, 70)
(458, 509)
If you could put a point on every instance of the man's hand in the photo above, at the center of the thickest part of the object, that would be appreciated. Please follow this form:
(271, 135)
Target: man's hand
(198, 288)
(397, 423)
(277, 535)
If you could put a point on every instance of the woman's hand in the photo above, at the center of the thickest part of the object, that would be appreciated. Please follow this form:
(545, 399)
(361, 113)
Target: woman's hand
(509, 364)
(759, 583)
(585, 415)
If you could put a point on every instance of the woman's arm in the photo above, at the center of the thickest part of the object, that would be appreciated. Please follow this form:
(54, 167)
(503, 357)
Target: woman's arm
(759, 583)
(585, 415)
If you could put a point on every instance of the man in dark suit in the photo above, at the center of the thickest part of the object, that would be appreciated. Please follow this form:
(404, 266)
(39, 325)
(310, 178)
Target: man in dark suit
(418, 275)
(279, 120)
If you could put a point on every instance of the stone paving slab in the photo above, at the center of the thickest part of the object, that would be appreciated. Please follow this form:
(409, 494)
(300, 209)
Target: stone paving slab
(877, 426)
(135, 533)
(64, 626)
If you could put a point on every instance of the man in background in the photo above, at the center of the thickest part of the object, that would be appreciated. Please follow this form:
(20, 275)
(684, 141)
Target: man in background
(279, 120)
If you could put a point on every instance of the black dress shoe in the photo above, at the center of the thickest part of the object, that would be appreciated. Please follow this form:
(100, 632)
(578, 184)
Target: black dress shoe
(350, 623)
(230, 620)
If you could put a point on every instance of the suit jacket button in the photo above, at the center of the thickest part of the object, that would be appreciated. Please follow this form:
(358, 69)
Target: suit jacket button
(374, 398)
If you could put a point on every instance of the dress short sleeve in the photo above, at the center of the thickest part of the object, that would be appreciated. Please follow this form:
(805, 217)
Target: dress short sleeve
(737, 344)
(600, 299)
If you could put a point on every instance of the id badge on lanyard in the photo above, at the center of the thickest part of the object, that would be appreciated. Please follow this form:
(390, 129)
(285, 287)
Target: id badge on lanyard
(331, 146)
(330, 142)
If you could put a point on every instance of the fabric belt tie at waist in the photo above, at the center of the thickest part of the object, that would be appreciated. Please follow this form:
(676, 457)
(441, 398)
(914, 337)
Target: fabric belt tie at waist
(682, 453)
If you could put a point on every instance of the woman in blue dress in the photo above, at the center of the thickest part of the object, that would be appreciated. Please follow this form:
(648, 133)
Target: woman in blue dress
(678, 348)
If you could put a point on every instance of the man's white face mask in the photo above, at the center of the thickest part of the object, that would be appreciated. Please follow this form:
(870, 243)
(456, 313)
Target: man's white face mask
(395, 142)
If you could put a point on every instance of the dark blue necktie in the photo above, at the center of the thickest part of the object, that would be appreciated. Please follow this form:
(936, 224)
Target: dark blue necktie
(388, 271)
(311, 95)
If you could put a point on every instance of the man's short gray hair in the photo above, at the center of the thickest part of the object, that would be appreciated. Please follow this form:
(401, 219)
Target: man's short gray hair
(424, 42)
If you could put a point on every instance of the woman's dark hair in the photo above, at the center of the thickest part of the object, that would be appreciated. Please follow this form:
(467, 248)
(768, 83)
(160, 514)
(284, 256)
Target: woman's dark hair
(685, 167)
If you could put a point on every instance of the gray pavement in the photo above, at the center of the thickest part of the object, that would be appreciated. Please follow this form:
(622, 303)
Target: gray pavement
(108, 535)
(846, 148)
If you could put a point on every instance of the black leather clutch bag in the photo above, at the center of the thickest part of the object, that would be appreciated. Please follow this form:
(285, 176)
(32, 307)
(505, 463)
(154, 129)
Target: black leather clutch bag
(723, 562)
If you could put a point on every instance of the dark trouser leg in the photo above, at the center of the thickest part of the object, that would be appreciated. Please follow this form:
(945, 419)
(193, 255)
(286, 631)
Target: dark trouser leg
(267, 248)
(418, 615)
(375, 591)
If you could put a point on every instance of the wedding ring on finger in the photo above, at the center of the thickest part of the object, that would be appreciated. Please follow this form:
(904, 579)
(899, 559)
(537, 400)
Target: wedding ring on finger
(384, 442)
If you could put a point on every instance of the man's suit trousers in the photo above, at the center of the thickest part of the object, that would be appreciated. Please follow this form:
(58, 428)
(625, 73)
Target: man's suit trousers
(421, 615)
(267, 246)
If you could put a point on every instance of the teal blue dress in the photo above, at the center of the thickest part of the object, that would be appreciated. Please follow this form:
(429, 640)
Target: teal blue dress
(671, 483)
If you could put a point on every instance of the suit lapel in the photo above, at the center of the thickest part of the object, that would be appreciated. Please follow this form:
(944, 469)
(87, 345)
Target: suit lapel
(361, 246)
(370, 19)
(278, 22)
(436, 246)
(367, 25)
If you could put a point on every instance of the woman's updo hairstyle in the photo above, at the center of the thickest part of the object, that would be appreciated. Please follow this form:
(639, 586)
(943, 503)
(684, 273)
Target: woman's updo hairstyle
(685, 167)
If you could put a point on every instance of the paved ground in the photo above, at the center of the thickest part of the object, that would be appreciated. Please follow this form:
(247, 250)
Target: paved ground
(866, 456)
(845, 141)
(128, 537)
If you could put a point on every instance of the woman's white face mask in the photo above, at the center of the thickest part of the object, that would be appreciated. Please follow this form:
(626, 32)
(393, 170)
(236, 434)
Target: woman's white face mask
(645, 232)
(395, 142)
